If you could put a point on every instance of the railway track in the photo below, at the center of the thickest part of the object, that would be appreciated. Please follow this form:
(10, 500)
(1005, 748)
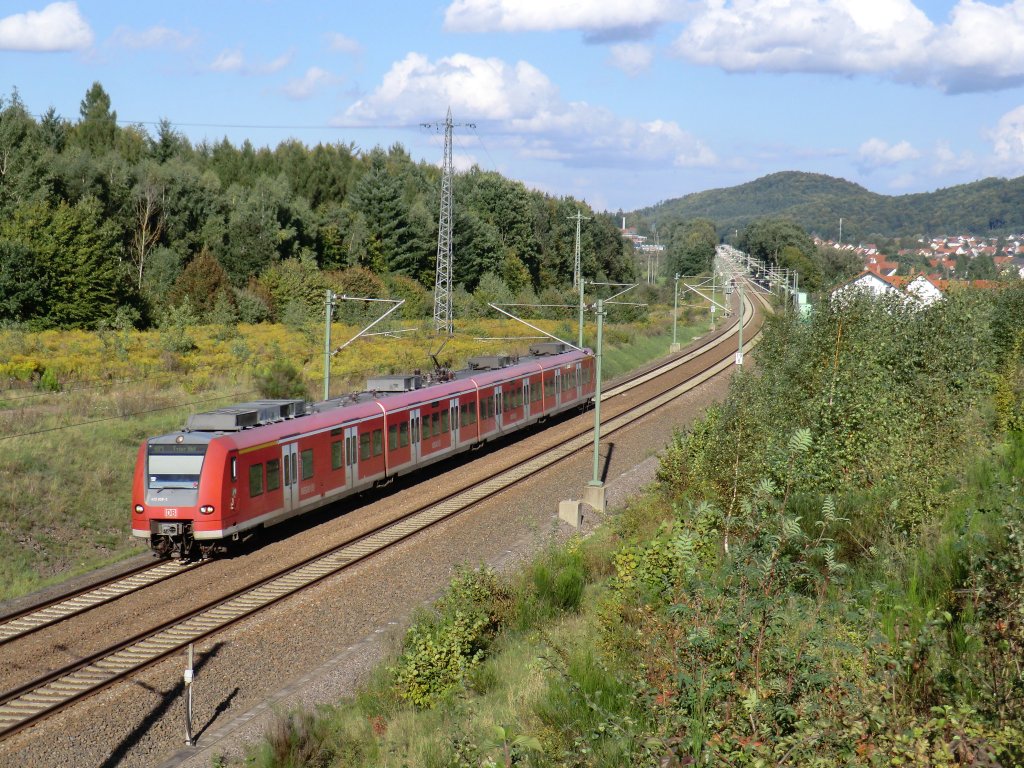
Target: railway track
(65, 606)
(50, 693)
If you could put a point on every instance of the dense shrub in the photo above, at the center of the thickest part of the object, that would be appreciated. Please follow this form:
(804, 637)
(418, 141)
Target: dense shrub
(441, 650)
(281, 380)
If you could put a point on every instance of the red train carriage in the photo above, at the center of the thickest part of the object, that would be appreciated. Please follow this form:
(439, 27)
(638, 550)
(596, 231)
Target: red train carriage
(234, 470)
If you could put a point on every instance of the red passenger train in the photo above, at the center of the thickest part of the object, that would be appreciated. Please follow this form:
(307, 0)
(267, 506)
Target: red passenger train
(237, 469)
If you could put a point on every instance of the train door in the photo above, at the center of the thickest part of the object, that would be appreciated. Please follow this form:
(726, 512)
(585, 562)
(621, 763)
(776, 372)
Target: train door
(453, 420)
(579, 380)
(351, 456)
(414, 434)
(499, 402)
(526, 398)
(290, 488)
(558, 387)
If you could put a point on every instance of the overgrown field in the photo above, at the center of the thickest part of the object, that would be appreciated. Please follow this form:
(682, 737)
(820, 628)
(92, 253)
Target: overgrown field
(828, 573)
(76, 406)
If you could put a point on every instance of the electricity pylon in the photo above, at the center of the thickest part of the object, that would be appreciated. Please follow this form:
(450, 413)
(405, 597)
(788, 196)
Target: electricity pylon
(443, 279)
(576, 272)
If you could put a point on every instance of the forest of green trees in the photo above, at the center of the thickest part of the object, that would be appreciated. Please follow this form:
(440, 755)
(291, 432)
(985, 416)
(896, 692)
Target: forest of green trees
(102, 223)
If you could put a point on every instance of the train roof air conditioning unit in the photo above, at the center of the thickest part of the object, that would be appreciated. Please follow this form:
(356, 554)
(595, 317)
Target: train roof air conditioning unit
(548, 348)
(490, 362)
(395, 383)
(245, 415)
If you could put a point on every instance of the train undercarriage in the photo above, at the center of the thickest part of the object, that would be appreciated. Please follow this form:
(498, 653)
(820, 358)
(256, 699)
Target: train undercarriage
(174, 540)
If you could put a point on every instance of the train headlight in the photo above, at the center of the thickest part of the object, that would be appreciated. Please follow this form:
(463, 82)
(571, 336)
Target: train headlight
(139, 509)
(206, 509)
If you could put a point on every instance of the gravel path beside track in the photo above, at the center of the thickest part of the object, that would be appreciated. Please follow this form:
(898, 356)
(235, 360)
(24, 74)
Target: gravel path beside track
(317, 646)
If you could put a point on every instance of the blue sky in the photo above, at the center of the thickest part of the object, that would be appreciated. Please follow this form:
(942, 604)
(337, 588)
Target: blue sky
(622, 103)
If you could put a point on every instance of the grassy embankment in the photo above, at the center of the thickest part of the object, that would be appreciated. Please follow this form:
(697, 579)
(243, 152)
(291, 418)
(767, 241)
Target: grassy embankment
(828, 573)
(76, 405)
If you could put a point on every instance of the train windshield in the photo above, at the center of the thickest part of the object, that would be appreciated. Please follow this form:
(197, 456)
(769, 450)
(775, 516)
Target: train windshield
(175, 465)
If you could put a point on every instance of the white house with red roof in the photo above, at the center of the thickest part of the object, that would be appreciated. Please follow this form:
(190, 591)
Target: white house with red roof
(921, 289)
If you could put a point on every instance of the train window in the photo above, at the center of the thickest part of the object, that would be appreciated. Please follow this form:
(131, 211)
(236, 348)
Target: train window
(255, 480)
(392, 437)
(273, 474)
(337, 455)
(535, 393)
(403, 434)
(364, 446)
(378, 442)
(427, 432)
(463, 414)
(444, 422)
(175, 465)
(435, 424)
(307, 464)
(336, 432)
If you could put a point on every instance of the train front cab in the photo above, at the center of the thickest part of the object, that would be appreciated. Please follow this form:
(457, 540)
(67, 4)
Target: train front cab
(177, 491)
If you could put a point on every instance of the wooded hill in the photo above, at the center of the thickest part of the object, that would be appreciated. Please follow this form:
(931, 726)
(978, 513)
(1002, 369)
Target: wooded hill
(817, 202)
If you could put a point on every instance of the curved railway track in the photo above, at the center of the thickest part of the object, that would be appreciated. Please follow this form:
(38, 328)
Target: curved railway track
(52, 692)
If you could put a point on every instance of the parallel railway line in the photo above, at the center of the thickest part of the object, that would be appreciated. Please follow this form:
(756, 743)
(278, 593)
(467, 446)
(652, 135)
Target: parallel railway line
(50, 693)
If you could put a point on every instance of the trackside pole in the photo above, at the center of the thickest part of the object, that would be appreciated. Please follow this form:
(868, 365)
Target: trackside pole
(581, 312)
(189, 676)
(675, 317)
(594, 491)
(739, 348)
(327, 344)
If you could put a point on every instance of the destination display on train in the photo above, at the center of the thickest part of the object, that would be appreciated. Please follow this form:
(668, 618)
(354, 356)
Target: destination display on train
(177, 449)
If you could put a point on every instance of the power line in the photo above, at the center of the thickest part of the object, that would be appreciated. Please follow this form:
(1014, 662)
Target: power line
(104, 383)
(127, 415)
(267, 126)
(494, 164)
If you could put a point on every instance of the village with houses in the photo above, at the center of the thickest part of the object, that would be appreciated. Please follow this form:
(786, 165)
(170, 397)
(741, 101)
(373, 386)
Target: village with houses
(943, 264)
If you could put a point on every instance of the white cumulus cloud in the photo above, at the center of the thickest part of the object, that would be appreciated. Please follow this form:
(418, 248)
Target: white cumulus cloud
(980, 48)
(305, 86)
(233, 60)
(153, 37)
(1008, 138)
(946, 161)
(876, 152)
(521, 104)
(841, 36)
(344, 44)
(550, 15)
(58, 27)
(485, 89)
(228, 61)
(632, 58)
